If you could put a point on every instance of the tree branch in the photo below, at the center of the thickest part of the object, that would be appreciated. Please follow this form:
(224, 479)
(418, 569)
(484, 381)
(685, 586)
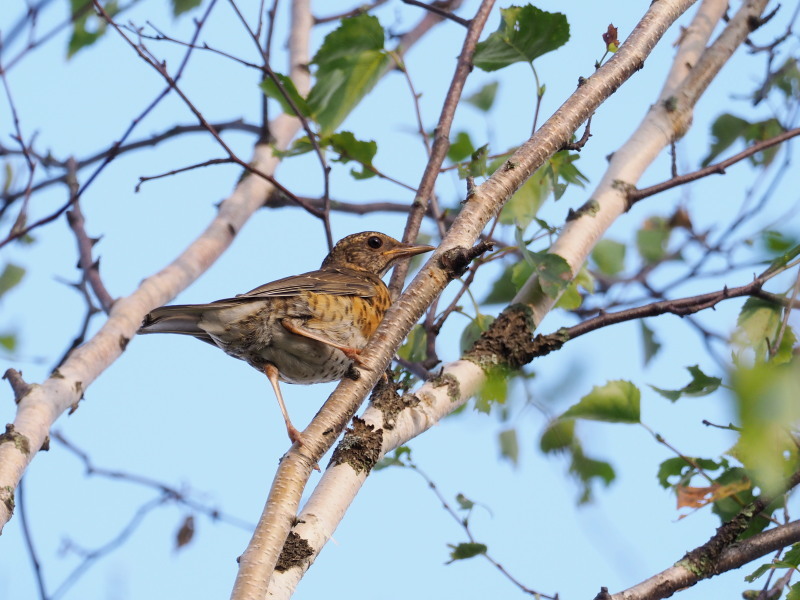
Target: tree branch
(400, 419)
(719, 554)
(43, 404)
(717, 168)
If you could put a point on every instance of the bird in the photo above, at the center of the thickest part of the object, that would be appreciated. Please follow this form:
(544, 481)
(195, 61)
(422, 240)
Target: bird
(303, 329)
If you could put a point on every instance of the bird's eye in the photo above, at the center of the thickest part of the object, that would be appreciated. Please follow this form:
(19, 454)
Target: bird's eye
(374, 242)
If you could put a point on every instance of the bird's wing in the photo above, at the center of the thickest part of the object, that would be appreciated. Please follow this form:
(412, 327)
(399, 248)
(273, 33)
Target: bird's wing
(338, 282)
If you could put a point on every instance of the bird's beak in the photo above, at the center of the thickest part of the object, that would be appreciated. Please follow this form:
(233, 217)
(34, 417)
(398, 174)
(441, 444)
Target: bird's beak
(407, 250)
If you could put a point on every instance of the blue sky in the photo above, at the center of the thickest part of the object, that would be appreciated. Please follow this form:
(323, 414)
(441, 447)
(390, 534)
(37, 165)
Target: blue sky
(181, 412)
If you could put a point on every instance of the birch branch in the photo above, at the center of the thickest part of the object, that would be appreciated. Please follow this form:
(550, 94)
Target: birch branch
(40, 406)
(460, 380)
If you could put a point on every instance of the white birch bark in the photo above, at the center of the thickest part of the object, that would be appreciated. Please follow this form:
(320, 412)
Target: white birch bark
(693, 68)
(39, 408)
(487, 200)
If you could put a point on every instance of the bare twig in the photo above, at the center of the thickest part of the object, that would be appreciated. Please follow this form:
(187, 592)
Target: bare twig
(464, 523)
(359, 10)
(717, 168)
(114, 151)
(441, 139)
(26, 534)
(587, 133)
(207, 163)
(89, 266)
(439, 11)
(544, 344)
(61, 210)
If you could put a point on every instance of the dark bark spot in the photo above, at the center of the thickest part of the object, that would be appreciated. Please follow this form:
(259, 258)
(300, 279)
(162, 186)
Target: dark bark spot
(20, 442)
(387, 398)
(453, 388)
(295, 551)
(360, 447)
(508, 341)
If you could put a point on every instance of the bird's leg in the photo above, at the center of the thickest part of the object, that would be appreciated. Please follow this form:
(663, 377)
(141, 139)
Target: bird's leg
(349, 352)
(271, 372)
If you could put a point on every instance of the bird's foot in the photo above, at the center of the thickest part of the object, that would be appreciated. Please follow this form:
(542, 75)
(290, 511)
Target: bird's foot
(353, 354)
(294, 435)
(297, 438)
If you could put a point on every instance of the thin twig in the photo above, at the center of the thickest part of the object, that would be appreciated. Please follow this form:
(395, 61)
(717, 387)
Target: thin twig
(115, 151)
(360, 10)
(464, 523)
(89, 266)
(61, 210)
(208, 163)
(439, 11)
(717, 168)
(22, 508)
(441, 140)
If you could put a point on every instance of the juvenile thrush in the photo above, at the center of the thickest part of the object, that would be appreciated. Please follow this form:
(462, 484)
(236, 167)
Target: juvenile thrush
(305, 328)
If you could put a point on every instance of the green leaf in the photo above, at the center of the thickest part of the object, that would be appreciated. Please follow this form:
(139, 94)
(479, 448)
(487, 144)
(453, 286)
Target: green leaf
(728, 507)
(571, 298)
(725, 130)
(757, 327)
(300, 146)
(700, 385)
(8, 177)
(649, 342)
(559, 436)
(728, 128)
(461, 147)
(758, 572)
(483, 99)
(786, 79)
(652, 239)
(271, 89)
(349, 148)
(684, 471)
(520, 273)
(476, 167)
(525, 33)
(561, 166)
(466, 550)
(792, 556)
(349, 63)
(781, 261)
(503, 288)
(396, 459)
(474, 330)
(509, 446)
(586, 470)
(414, 349)
(785, 352)
(615, 402)
(553, 271)
(555, 176)
(767, 403)
(524, 205)
(671, 467)
(794, 592)
(181, 6)
(609, 257)
(87, 27)
(777, 243)
(464, 503)
(10, 277)
(8, 341)
(494, 389)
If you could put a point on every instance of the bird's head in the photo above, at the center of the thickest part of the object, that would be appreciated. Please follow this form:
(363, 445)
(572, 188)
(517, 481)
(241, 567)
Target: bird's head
(370, 251)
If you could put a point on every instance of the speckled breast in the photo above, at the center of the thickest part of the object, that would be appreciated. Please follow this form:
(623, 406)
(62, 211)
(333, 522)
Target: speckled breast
(259, 337)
